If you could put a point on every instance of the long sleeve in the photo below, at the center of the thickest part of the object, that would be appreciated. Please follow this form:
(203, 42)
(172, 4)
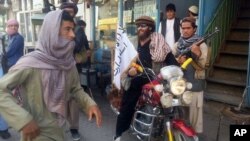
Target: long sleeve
(197, 84)
(16, 116)
(79, 94)
(203, 58)
(16, 46)
(14, 50)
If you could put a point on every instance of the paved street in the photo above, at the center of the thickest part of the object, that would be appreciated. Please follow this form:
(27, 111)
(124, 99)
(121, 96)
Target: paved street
(90, 132)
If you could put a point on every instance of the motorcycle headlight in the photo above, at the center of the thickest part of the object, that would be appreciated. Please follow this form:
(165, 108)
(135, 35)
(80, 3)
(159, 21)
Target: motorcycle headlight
(166, 100)
(178, 86)
(187, 97)
(158, 88)
(189, 85)
(171, 71)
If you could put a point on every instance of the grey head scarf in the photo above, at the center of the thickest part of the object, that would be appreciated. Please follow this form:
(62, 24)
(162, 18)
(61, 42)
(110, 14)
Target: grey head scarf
(53, 55)
(184, 43)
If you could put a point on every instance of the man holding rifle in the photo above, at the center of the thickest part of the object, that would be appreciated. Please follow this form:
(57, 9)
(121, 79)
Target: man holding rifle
(194, 73)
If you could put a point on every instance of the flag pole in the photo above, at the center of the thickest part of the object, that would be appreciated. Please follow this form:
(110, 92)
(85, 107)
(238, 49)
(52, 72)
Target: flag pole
(112, 66)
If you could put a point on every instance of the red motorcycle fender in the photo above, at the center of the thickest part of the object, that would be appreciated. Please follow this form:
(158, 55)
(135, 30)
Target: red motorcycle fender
(182, 126)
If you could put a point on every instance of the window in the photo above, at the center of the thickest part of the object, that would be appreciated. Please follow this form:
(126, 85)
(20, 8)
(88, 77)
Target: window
(25, 25)
(2, 22)
(28, 8)
(107, 23)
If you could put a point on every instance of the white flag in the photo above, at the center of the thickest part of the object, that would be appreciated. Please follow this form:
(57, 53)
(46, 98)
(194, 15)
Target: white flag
(124, 54)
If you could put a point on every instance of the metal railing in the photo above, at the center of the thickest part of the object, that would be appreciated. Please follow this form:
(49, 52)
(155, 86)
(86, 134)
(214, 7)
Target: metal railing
(223, 19)
(248, 79)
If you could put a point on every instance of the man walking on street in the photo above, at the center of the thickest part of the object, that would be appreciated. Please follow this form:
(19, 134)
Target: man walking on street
(48, 78)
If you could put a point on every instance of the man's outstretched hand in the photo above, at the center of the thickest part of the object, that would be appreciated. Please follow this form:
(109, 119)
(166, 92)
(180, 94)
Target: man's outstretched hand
(94, 110)
(30, 131)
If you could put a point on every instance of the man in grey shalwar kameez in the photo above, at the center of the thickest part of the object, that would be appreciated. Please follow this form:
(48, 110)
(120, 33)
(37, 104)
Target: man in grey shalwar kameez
(47, 78)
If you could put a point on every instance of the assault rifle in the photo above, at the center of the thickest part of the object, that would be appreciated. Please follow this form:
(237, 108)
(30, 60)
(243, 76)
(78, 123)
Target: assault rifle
(187, 51)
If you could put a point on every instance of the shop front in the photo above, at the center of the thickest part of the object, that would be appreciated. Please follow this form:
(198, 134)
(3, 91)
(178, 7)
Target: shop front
(106, 23)
(134, 9)
(30, 14)
(108, 18)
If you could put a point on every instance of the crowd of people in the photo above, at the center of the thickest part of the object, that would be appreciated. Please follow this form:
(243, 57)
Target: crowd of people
(47, 79)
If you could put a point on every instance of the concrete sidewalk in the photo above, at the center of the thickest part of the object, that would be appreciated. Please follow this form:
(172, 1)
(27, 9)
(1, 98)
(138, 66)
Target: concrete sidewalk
(90, 132)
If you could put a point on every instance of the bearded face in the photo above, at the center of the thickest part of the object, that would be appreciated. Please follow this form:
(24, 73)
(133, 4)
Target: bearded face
(143, 31)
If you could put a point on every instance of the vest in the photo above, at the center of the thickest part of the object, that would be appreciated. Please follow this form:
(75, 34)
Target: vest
(177, 33)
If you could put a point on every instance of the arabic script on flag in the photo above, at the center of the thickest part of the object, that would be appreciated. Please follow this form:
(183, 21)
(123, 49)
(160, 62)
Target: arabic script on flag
(124, 55)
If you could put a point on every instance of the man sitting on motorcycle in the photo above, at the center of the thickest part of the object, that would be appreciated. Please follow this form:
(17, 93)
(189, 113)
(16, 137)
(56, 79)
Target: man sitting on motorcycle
(194, 73)
(153, 52)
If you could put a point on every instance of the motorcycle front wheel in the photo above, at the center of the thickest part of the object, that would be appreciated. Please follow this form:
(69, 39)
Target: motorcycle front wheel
(180, 136)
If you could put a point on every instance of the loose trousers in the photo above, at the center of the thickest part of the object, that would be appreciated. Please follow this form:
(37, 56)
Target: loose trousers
(73, 114)
(128, 104)
(196, 111)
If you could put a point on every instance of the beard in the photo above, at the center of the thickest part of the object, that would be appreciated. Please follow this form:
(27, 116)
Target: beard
(143, 34)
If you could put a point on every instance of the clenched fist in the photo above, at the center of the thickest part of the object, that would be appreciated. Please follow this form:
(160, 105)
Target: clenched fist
(132, 71)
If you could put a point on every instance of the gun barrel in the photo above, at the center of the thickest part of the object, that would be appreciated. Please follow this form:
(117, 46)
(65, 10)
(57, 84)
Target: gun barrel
(200, 41)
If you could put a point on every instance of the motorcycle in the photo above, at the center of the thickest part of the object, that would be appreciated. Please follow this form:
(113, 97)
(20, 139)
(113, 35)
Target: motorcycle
(159, 113)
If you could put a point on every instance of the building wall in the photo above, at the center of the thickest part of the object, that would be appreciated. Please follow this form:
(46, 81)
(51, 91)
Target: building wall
(210, 7)
(208, 10)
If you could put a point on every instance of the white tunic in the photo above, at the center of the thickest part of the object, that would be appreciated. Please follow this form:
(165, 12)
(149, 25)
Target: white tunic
(170, 33)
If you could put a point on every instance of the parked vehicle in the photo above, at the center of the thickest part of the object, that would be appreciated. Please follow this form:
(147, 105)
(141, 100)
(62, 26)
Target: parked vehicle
(159, 114)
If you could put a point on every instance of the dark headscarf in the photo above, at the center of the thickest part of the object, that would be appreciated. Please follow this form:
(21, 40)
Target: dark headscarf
(185, 43)
(69, 5)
